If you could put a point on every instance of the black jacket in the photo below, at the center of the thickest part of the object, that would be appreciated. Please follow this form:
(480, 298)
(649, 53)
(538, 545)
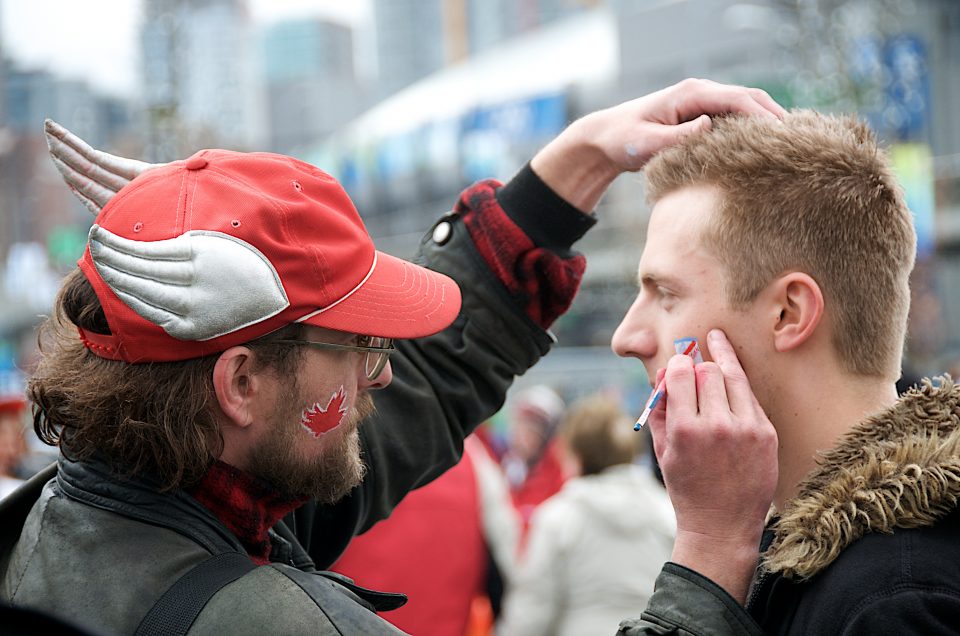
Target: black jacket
(870, 545)
(900, 583)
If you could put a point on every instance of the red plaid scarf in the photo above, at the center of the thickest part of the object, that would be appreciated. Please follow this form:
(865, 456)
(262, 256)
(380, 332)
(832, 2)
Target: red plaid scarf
(247, 505)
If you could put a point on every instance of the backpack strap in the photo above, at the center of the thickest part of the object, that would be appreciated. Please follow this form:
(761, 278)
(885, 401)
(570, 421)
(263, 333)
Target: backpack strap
(175, 611)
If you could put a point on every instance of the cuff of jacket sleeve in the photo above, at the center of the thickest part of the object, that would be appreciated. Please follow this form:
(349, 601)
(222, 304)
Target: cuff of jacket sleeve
(546, 218)
(686, 599)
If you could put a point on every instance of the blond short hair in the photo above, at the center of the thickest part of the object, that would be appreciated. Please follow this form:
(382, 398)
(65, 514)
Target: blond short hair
(815, 194)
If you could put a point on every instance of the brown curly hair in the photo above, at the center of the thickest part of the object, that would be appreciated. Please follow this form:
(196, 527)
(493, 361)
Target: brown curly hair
(157, 417)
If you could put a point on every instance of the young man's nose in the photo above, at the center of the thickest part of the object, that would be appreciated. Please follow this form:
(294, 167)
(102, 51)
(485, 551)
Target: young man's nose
(634, 339)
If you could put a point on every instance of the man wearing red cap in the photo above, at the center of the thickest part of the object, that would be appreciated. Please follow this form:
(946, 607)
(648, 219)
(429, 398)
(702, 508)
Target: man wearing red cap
(208, 365)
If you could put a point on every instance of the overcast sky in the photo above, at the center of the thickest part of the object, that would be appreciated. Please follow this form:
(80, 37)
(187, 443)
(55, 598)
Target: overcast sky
(97, 39)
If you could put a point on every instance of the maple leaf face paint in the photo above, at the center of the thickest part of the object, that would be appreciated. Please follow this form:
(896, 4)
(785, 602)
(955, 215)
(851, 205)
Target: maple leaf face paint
(318, 419)
(327, 467)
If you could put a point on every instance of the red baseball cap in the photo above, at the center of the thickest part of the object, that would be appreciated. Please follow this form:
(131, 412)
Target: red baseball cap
(12, 404)
(196, 256)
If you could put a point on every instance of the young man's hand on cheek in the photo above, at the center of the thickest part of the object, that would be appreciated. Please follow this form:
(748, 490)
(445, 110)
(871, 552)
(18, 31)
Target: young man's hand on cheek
(718, 454)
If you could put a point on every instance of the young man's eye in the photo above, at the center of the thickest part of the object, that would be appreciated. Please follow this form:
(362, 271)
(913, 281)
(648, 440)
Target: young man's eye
(363, 341)
(666, 297)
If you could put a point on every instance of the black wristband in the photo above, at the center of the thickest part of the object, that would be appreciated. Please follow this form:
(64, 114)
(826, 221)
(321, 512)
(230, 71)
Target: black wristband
(546, 218)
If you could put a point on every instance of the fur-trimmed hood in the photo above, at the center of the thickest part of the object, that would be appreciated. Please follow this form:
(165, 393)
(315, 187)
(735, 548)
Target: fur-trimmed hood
(897, 469)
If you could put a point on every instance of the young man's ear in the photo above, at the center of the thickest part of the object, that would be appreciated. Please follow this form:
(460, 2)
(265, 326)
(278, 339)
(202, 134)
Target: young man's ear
(799, 300)
(235, 385)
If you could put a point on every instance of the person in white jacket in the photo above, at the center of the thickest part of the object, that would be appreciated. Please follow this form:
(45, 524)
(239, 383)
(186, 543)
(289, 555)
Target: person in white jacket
(596, 547)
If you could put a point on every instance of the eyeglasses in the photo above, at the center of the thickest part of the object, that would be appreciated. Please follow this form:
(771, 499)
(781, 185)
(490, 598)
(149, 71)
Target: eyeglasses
(378, 350)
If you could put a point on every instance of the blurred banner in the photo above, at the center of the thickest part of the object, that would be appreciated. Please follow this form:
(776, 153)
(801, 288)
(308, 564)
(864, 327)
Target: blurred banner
(898, 65)
(913, 163)
(11, 378)
(504, 133)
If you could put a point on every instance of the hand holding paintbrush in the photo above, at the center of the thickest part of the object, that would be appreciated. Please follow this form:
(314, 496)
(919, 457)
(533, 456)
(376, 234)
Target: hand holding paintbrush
(684, 346)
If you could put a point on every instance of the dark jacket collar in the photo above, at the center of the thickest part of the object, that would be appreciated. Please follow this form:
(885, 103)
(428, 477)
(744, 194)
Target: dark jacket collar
(92, 481)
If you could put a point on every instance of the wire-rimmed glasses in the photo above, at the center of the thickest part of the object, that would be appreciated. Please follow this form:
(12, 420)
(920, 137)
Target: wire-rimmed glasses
(378, 351)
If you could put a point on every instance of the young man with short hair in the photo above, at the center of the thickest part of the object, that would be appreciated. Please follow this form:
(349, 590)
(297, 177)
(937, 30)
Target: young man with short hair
(794, 240)
(206, 371)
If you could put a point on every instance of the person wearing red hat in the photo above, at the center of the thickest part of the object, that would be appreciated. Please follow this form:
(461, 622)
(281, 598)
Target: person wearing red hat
(13, 445)
(208, 365)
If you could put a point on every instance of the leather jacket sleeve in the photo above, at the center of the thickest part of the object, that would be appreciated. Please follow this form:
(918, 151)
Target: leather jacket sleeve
(684, 603)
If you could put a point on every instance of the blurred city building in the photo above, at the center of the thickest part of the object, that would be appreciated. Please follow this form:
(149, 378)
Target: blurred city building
(493, 21)
(405, 159)
(411, 42)
(418, 37)
(469, 89)
(42, 226)
(3, 73)
(201, 86)
(311, 81)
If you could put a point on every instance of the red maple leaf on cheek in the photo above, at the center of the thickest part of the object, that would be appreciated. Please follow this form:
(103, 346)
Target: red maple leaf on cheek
(319, 420)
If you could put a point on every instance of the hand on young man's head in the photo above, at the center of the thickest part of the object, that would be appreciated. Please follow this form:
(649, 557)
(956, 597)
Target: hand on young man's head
(584, 160)
(634, 131)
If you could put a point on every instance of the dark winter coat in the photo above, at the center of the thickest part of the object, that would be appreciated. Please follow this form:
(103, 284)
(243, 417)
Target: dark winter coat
(870, 545)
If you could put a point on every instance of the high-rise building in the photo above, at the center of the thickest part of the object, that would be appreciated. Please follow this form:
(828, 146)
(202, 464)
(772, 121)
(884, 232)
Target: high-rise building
(33, 200)
(311, 82)
(490, 22)
(416, 38)
(411, 42)
(199, 72)
(3, 68)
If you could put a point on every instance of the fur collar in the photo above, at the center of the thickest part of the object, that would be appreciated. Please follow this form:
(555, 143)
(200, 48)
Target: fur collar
(897, 469)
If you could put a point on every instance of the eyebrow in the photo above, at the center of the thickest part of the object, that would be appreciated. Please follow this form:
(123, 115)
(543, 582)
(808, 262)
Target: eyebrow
(658, 279)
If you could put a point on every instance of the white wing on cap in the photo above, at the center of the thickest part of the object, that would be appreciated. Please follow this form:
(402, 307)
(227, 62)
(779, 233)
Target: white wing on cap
(198, 286)
(93, 175)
